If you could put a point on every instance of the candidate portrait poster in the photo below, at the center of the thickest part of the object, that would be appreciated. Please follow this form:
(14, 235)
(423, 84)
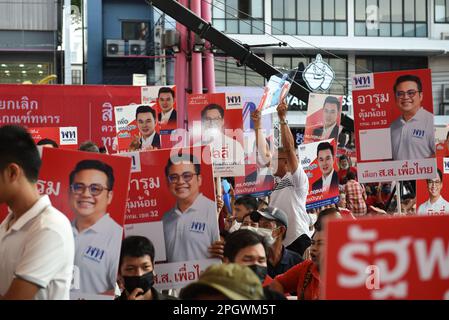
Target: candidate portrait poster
(386, 258)
(274, 93)
(65, 137)
(323, 117)
(258, 180)
(442, 141)
(155, 202)
(394, 125)
(216, 119)
(91, 189)
(320, 165)
(432, 195)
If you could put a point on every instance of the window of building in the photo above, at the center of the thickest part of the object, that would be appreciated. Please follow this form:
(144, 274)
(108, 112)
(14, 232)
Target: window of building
(441, 11)
(76, 76)
(238, 16)
(391, 18)
(388, 63)
(310, 17)
(20, 72)
(227, 73)
(135, 30)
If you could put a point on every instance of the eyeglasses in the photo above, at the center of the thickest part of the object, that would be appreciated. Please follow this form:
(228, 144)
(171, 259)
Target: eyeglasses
(186, 177)
(212, 121)
(409, 93)
(436, 182)
(94, 189)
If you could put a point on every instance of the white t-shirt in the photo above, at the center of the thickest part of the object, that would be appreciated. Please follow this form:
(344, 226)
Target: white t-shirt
(327, 182)
(413, 139)
(290, 195)
(188, 235)
(38, 248)
(440, 206)
(97, 253)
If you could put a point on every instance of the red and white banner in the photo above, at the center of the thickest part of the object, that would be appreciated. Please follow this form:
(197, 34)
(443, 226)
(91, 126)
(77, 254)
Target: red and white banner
(65, 137)
(321, 169)
(387, 258)
(216, 120)
(90, 108)
(394, 130)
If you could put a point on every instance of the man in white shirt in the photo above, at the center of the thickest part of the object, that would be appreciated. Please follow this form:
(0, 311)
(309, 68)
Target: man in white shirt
(331, 111)
(36, 242)
(191, 226)
(436, 204)
(166, 99)
(328, 183)
(146, 123)
(97, 236)
(291, 183)
(226, 153)
(412, 134)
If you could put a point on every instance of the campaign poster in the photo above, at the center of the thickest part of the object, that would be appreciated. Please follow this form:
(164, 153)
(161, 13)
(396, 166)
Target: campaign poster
(323, 117)
(163, 100)
(320, 164)
(172, 202)
(91, 189)
(65, 137)
(88, 107)
(432, 195)
(274, 92)
(442, 141)
(258, 180)
(387, 258)
(394, 125)
(216, 119)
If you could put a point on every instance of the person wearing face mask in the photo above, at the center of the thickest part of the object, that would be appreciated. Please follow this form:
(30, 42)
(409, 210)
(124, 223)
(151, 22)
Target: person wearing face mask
(272, 224)
(344, 165)
(246, 247)
(136, 270)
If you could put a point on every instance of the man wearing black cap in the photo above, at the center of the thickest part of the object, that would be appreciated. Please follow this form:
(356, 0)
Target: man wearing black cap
(273, 223)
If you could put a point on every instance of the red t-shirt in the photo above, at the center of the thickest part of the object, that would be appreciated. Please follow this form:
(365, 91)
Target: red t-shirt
(293, 280)
(343, 172)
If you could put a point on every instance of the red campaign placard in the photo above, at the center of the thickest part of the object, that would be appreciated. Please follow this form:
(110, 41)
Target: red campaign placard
(90, 108)
(65, 137)
(317, 164)
(223, 133)
(57, 164)
(323, 117)
(387, 258)
(394, 134)
(432, 196)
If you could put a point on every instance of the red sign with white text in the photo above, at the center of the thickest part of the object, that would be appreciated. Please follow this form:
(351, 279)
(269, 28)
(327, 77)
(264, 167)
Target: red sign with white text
(387, 258)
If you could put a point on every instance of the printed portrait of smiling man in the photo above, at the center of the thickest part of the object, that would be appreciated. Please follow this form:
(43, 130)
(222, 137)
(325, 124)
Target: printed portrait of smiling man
(191, 226)
(97, 236)
(329, 177)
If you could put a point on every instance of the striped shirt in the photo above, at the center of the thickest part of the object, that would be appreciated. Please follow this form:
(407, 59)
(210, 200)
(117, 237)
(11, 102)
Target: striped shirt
(354, 198)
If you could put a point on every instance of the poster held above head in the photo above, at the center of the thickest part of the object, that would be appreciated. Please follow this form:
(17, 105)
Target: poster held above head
(64, 137)
(275, 92)
(91, 189)
(394, 125)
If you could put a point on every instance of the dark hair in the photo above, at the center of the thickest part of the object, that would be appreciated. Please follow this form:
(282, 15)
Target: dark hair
(212, 106)
(248, 202)
(343, 157)
(240, 239)
(103, 149)
(166, 90)
(323, 213)
(332, 100)
(136, 247)
(89, 146)
(47, 141)
(440, 174)
(350, 175)
(408, 77)
(17, 146)
(95, 165)
(447, 135)
(145, 109)
(324, 146)
(183, 157)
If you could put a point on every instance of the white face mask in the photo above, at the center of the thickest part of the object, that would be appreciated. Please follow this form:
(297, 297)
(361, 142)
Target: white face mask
(235, 226)
(268, 235)
(253, 229)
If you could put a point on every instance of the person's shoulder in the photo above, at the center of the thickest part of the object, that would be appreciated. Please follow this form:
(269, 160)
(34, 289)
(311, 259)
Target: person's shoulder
(54, 219)
(112, 226)
(396, 123)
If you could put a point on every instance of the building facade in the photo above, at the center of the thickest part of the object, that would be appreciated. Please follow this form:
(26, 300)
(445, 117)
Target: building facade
(353, 36)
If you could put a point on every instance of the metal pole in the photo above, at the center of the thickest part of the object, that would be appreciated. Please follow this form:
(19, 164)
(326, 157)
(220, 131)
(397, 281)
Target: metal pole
(196, 64)
(208, 66)
(66, 39)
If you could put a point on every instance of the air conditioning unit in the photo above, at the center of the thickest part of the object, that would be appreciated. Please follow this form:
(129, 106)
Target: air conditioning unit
(444, 35)
(115, 48)
(446, 93)
(137, 47)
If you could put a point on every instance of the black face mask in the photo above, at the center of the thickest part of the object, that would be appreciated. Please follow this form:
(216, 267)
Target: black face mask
(260, 271)
(144, 282)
